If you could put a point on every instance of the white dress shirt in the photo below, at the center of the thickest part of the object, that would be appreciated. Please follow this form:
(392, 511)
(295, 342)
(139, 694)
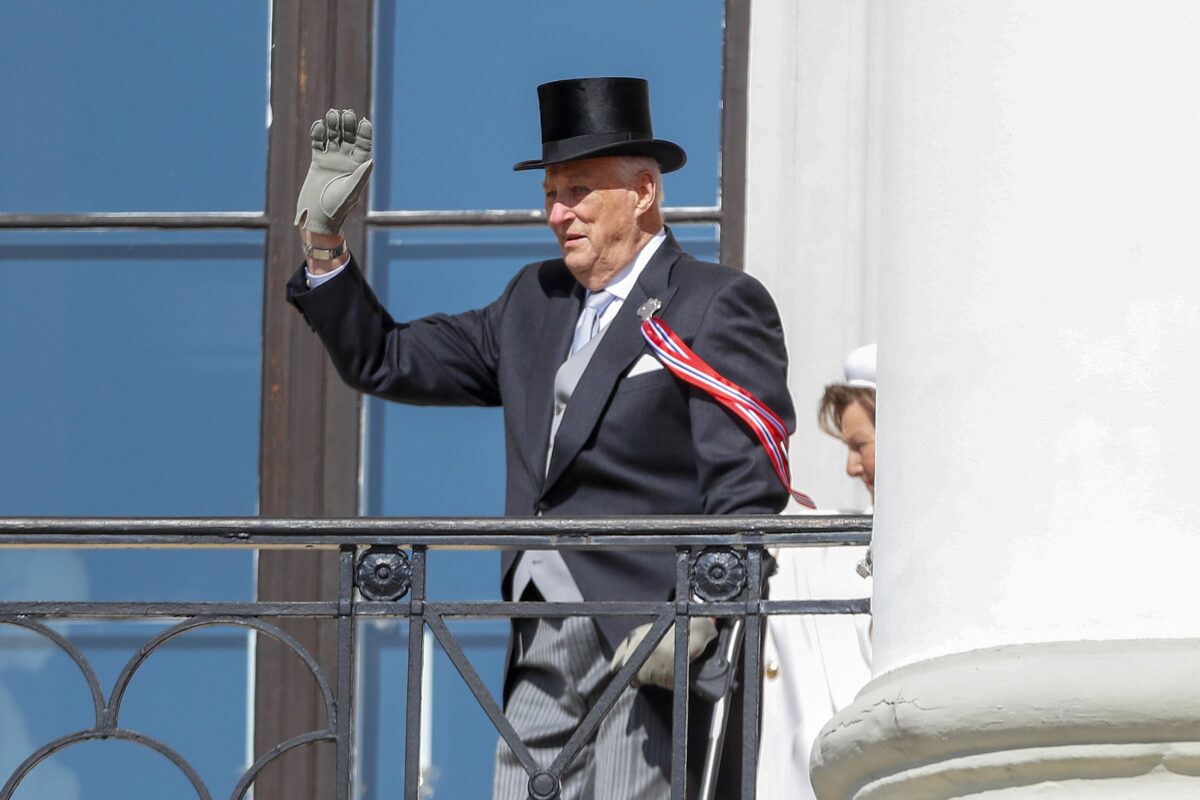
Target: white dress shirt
(621, 285)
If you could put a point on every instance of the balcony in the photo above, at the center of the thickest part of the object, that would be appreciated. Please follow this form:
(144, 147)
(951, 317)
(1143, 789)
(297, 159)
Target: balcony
(382, 571)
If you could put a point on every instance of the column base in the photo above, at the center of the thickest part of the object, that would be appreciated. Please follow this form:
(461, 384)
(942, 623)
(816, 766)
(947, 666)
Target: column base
(1104, 719)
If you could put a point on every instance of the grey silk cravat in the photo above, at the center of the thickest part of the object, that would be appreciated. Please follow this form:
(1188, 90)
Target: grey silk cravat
(589, 320)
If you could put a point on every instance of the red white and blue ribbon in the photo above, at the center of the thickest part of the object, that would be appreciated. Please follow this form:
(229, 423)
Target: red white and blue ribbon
(689, 367)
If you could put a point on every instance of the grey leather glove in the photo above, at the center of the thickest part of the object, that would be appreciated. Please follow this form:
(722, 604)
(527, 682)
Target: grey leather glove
(659, 669)
(337, 178)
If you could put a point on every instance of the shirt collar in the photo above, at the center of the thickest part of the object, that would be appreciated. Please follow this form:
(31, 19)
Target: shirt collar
(622, 285)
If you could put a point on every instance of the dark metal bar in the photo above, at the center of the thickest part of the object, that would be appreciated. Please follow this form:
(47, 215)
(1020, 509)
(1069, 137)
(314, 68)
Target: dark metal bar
(465, 219)
(136, 219)
(344, 723)
(312, 668)
(617, 685)
(480, 532)
(302, 530)
(860, 605)
(734, 83)
(266, 759)
(679, 695)
(76, 655)
(168, 610)
(50, 609)
(118, 734)
(165, 610)
(416, 673)
(447, 541)
(752, 676)
(513, 217)
(501, 609)
(466, 671)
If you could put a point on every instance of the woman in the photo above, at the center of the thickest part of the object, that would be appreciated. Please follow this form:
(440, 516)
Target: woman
(814, 665)
(847, 412)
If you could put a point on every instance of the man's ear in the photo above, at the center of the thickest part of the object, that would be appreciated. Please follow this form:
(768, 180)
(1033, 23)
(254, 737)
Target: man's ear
(647, 191)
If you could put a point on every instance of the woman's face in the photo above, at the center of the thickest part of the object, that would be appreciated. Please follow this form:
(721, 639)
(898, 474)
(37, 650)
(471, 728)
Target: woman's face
(858, 432)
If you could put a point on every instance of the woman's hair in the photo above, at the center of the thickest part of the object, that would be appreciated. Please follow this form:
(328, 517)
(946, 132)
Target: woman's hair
(835, 401)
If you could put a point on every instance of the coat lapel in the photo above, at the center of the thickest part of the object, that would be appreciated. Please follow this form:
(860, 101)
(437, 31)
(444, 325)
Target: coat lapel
(621, 345)
(546, 353)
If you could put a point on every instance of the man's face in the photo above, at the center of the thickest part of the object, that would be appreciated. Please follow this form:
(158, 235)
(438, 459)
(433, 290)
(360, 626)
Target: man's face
(594, 215)
(858, 432)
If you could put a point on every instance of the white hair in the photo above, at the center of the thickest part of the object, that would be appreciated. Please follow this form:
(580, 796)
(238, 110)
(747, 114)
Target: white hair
(630, 167)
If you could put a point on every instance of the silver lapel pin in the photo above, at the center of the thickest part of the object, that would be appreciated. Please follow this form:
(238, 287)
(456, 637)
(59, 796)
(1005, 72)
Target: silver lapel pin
(646, 310)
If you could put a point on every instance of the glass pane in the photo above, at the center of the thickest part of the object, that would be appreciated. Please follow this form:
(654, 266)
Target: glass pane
(141, 106)
(413, 467)
(130, 372)
(459, 739)
(456, 101)
(130, 367)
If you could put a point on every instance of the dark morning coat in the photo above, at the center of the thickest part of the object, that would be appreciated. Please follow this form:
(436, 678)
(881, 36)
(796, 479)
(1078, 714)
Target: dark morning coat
(647, 444)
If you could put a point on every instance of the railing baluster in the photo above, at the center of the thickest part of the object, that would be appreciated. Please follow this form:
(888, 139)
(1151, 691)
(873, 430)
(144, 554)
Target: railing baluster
(345, 673)
(679, 712)
(752, 675)
(416, 673)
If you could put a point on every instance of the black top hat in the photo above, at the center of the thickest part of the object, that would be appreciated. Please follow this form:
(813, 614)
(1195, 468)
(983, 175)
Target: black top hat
(593, 117)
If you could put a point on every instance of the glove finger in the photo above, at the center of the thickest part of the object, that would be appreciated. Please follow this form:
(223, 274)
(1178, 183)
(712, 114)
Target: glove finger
(663, 652)
(349, 129)
(655, 675)
(701, 631)
(363, 140)
(333, 122)
(620, 656)
(630, 643)
(318, 135)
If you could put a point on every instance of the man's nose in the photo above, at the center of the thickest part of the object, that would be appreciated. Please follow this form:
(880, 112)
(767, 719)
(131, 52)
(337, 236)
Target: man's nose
(559, 214)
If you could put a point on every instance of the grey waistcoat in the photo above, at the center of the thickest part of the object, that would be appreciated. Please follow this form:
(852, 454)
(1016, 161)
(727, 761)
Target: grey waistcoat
(546, 568)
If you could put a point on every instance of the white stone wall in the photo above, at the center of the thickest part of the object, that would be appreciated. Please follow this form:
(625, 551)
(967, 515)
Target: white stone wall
(811, 210)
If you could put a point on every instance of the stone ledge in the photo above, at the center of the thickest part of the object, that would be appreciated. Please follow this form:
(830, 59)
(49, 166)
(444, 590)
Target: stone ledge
(1029, 715)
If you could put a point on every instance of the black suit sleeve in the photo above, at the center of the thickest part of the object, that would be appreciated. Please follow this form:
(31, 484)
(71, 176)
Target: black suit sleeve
(741, 336)
(441, 359)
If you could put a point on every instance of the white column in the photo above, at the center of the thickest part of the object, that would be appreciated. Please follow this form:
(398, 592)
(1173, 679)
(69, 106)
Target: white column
(1040, 375)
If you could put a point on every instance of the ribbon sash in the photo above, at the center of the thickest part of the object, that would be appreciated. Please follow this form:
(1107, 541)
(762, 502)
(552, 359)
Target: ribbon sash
(689, 367)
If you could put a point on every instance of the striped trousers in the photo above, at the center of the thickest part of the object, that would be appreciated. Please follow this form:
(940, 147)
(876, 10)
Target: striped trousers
(557, 671)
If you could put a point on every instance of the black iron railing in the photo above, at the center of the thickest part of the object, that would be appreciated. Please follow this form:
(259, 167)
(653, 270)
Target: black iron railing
(382, 569)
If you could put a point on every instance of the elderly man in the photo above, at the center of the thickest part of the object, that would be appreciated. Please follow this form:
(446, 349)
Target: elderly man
(594, 425)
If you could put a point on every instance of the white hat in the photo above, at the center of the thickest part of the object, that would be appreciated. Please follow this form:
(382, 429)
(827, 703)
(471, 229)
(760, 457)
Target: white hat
(860, 367)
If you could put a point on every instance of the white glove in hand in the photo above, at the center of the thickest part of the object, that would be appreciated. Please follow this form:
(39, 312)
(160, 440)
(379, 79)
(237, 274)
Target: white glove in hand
(659, 669)
(341, 164)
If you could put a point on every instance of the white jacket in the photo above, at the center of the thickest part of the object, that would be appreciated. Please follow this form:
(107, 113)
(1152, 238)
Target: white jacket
(813, 665)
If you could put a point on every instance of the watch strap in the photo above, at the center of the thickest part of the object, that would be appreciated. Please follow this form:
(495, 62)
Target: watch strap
(324, 253)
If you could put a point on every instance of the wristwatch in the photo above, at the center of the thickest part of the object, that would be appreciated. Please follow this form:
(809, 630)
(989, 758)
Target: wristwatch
(323, 253)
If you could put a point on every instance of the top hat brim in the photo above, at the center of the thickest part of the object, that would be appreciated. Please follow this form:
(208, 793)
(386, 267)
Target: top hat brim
(669, 155)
